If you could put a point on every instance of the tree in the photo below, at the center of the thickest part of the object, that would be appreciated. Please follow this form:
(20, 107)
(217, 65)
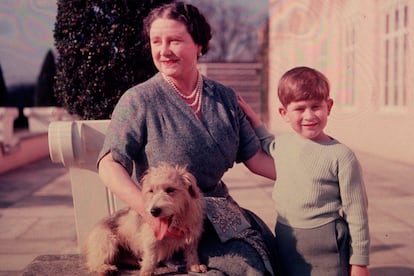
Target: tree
(43, 93)
(101, 53)
(3, 90)
(235, 39)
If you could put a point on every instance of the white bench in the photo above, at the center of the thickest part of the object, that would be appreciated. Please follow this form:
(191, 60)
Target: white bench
(76, 145)
(40, 117)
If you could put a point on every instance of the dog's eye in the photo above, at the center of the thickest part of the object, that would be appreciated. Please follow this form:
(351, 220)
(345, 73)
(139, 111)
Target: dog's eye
(170, 190)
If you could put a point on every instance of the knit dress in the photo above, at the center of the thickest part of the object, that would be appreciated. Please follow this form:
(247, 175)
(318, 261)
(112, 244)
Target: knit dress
(151, 123)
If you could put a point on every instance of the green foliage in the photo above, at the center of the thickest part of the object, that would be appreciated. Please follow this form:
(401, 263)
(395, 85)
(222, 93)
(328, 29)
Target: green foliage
(102, 52)
(3, 90)
(43, 93)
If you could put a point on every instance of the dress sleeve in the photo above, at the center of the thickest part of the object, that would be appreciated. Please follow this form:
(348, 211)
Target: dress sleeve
(126, 134)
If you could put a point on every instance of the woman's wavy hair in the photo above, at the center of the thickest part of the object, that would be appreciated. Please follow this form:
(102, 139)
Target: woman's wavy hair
(195, 22)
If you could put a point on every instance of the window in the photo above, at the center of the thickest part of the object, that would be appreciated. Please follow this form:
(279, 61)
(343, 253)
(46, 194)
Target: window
(348, 94)
(394, 31)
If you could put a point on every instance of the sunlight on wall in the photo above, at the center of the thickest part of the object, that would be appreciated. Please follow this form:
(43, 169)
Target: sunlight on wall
(345, 41)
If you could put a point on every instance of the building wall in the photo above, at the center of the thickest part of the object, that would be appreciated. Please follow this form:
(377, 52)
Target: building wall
(347, 41)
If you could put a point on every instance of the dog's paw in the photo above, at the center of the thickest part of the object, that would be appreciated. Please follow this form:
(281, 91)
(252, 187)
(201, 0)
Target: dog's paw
(198, 268)
(146, 273)
(107, 269)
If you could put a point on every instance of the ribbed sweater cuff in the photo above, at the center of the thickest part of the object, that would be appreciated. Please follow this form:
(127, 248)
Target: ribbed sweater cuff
(265, 137)
(263, 133)
(359, 260)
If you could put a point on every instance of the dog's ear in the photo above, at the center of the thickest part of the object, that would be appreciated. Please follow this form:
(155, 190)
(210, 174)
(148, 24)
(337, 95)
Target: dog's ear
(145, 177)
(192, 192)
(191, 182)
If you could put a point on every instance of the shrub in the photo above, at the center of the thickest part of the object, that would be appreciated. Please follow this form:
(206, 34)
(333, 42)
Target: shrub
(3, 90)
(101, 53)
(43, 93)
(21, 95)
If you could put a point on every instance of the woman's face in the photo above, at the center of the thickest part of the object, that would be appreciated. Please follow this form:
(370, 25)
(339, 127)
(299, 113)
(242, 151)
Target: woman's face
(173, 50)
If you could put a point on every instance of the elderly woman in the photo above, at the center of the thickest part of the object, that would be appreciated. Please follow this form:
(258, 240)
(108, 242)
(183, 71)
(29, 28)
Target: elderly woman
(181, 117)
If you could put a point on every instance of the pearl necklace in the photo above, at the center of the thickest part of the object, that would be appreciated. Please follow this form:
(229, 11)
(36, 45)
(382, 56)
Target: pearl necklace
(195, 104)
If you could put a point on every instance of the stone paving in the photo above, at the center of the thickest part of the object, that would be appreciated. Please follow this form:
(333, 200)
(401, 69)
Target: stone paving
(36, 212)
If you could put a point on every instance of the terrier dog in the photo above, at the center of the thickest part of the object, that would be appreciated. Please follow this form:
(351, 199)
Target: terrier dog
(174, 201)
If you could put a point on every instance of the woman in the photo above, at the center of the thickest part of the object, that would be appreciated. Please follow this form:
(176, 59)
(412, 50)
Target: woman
(181, 117)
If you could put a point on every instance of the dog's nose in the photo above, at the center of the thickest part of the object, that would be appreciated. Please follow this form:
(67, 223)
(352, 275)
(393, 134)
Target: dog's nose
(156, 211)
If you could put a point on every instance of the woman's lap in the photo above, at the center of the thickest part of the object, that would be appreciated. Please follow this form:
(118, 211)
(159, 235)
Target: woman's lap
(233, 257)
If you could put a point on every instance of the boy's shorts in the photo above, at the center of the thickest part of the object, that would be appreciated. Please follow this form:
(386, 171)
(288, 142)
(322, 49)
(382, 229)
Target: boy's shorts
(322, 250)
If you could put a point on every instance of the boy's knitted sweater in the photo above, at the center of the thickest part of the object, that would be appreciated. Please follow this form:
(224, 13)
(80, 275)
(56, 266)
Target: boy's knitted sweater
(314, 182)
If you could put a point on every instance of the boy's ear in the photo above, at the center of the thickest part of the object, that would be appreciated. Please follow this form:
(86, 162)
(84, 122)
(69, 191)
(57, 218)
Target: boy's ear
(330, 104)
(283, 112)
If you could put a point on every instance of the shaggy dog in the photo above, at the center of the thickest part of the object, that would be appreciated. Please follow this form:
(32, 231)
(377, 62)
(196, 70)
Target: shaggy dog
(171, 195)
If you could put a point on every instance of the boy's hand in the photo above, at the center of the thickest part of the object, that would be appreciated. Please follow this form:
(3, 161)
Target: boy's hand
(357, 270)
(252, 117)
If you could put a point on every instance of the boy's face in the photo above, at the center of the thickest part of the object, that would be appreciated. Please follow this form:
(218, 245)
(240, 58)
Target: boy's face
(308, 118)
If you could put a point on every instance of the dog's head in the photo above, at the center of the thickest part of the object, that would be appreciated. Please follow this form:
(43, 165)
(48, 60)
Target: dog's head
(169, 190)
(172, 196)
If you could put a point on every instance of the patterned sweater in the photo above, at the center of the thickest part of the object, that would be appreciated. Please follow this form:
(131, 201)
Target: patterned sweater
(317, 181)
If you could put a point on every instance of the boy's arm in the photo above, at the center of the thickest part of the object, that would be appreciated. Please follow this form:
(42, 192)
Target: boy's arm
(265, 137)
(355, 208)
(357, 270)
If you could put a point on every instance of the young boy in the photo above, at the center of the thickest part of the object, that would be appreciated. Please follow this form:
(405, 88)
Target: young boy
(320, 198)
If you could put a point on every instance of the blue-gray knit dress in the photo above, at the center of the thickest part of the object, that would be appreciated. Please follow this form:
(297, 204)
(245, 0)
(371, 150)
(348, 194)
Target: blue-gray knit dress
(151, 123)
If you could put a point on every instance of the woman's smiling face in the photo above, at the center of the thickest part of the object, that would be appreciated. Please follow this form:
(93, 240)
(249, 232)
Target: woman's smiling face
(173, 50)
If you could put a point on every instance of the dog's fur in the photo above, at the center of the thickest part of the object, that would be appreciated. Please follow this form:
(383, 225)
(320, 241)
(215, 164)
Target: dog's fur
(168, 192)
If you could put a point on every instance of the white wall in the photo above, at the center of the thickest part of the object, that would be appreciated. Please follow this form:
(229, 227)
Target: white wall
(312, 33)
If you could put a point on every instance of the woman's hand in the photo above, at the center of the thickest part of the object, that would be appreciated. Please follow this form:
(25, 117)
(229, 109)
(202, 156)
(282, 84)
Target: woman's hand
(252, 117)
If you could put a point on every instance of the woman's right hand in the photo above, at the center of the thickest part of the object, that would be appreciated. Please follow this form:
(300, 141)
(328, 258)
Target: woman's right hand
(252, 117)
